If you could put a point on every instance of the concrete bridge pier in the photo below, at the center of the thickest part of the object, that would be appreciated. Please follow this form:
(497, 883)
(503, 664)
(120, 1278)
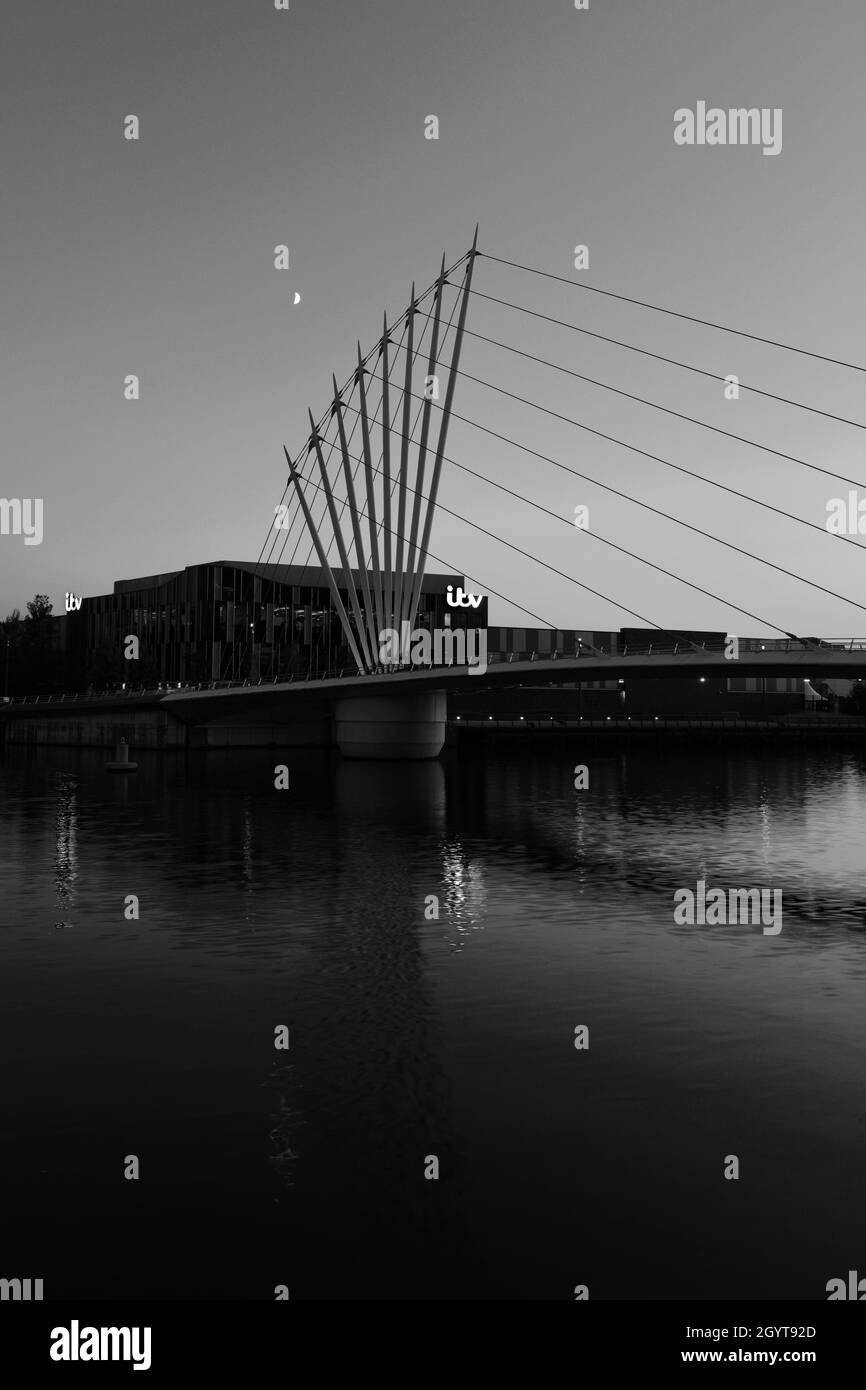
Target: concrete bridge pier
(391, 726)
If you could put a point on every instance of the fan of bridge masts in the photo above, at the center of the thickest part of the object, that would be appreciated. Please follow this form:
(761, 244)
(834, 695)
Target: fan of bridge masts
(389, 504)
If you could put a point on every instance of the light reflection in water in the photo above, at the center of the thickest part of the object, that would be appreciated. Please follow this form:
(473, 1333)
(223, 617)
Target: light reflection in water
(766, 831)
(464, 899)
(247, 844)
(580, 841)
(285, 1121)
(66, 848)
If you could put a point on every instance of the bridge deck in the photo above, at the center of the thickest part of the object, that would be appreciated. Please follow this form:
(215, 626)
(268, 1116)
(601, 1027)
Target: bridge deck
(826, 662)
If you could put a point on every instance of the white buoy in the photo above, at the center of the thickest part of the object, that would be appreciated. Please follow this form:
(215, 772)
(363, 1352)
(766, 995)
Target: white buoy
(121, 759)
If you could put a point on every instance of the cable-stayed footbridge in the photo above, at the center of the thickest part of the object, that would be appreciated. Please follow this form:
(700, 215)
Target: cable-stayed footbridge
(362, 495)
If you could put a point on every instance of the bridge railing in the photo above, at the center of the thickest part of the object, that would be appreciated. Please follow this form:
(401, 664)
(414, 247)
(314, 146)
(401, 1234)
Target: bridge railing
(585, 651)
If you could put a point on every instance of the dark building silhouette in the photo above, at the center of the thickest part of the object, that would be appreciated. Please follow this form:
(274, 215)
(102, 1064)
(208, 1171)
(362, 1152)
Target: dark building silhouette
(228, 620)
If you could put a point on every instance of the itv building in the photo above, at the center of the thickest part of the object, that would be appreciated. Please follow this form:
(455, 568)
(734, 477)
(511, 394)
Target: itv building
(230, 620)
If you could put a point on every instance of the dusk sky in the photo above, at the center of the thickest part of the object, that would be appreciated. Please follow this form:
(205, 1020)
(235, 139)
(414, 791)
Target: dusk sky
(307, 127)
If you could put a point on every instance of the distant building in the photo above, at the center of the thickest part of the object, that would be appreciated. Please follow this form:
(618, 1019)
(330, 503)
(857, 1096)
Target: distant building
(229, 620)
(639, 697)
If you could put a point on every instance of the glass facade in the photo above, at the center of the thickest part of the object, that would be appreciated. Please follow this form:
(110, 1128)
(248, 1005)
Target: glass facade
(233, 621)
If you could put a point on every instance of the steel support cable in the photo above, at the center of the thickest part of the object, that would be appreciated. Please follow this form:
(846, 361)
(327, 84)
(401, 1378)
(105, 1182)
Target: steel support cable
(644, 453)
(671, 361)
(673, 313)
(476, 526)
(677, 521)
(667, 410)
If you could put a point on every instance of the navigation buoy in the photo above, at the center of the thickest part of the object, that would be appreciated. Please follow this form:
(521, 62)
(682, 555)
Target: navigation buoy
(121, 759)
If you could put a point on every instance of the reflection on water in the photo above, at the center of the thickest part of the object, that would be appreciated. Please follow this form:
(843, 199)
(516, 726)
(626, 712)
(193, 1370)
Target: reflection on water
(465, 895)
(67, 856)
(286, 1121)
(418, 1031)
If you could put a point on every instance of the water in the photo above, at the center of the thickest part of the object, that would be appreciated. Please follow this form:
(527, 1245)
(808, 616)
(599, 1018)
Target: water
(413, 1037)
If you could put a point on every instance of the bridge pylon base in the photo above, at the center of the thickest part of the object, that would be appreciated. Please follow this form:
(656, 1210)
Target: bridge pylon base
(405, 727)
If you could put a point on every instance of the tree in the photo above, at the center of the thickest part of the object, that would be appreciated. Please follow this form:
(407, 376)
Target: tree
(39, 608)
(11, 636)
(36, 667)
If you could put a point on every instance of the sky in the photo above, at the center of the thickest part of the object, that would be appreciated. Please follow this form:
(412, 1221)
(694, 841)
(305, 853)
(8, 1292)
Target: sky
(306, 128)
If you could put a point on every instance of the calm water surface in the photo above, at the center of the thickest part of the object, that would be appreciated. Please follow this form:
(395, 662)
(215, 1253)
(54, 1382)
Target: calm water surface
(412, 1037)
